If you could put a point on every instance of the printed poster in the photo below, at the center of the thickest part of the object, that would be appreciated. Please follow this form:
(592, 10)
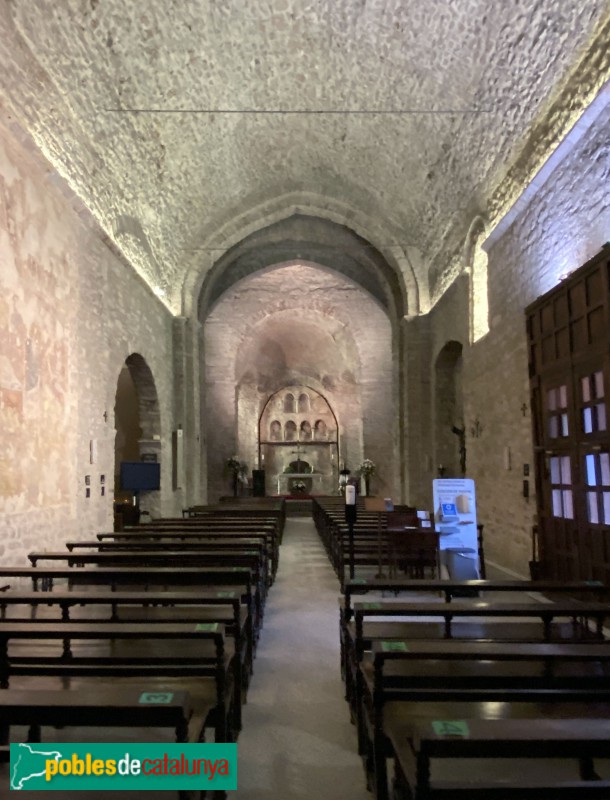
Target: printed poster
(455, 515)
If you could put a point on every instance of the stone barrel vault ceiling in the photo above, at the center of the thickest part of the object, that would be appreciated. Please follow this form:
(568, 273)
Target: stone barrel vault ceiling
(168, 117)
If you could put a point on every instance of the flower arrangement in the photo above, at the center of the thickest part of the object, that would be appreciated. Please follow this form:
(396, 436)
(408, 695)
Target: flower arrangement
(237, 468)
(233, 464)
(367, 468)
(299, 486)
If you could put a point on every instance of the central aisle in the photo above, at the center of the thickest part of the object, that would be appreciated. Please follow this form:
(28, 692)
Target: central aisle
(297, 741)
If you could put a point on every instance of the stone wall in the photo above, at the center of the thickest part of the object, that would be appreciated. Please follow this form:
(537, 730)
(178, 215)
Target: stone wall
(299, 324)
(71, 311)
(564, 224)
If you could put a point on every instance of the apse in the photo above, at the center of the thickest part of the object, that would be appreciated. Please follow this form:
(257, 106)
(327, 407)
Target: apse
(318, 344)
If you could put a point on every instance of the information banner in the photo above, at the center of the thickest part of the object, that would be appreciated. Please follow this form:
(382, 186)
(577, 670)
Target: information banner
(455, 515)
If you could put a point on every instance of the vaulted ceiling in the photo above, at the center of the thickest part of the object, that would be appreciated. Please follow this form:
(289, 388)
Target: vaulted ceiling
(170, 117)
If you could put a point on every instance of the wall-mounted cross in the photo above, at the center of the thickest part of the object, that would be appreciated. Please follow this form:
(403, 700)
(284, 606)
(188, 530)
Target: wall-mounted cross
(298, 451)
(524, 409)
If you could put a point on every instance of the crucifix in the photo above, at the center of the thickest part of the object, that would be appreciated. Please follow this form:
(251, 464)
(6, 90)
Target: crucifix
(524, 409)
(298, 453)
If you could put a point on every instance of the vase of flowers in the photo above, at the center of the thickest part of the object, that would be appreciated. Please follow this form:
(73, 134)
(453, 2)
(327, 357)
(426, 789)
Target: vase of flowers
(366, 469)
(299, 487)
(238, 470)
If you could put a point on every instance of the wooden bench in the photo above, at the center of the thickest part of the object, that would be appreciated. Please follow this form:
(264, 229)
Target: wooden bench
(579, 613)
(180, 562)
(480, 622)
(202, 664)
(101, 705)
(479, 680)
(182, 536)
(161, 557)
(416, 747)
(218, 578)
(182, 607)
(450, 588)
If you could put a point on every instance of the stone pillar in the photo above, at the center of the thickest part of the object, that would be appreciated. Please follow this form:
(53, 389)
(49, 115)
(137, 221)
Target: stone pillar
(416, 411)
(187, 401)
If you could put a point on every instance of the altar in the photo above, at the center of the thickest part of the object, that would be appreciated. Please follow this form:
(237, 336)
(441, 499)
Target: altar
(315, 483)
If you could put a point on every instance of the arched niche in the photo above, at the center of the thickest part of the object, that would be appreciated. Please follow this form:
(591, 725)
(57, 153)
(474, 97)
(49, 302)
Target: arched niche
(305, 431)
(137, 424)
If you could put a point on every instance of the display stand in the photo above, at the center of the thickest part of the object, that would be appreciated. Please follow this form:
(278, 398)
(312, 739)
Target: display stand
(377, 505)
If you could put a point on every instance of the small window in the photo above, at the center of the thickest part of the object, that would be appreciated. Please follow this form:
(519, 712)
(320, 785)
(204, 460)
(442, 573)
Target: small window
(561, 487)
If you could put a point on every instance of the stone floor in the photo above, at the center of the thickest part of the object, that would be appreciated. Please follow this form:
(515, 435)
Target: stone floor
(297, 741)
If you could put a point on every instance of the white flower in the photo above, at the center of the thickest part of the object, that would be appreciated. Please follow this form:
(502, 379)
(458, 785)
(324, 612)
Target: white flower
(367, 467)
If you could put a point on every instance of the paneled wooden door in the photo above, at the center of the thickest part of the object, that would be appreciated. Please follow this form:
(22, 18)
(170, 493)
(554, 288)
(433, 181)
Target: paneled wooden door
(568, 333)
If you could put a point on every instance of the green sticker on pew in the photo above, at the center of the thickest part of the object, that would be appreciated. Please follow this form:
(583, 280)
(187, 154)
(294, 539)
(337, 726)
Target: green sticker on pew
(156, 698)
(371, 606)
(394, 647)
(225, 594)
(207, 627)
(594, 583)
(358, 580)
(451, 728)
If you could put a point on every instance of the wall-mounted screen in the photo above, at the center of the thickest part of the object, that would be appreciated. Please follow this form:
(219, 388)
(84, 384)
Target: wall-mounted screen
(140, 476)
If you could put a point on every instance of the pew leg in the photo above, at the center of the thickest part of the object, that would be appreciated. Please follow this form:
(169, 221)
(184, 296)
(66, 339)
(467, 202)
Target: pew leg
(587, 770)
(34, 733)
(380, 787)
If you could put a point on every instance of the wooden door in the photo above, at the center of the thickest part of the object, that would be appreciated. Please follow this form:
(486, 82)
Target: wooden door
(569, 347)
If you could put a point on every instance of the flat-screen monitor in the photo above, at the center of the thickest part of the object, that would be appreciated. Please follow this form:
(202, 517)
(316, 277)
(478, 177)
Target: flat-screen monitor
(140, 476)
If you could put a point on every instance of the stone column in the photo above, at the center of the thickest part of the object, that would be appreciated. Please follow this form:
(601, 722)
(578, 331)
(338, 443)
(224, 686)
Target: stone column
(187, 404)
(416, 410)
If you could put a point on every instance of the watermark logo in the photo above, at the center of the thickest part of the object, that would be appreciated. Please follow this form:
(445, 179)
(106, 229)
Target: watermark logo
(109, 766)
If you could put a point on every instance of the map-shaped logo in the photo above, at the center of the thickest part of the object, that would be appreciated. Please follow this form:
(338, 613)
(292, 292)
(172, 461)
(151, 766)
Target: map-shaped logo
(30, 763)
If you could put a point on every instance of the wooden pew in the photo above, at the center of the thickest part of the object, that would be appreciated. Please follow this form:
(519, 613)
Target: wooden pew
(534, 621)
(420, 745)
(100, 706)
(476, 680)
(195, 654)
(168, 559)
(158, 557)
(43, 578)
(182, 535)
(234, 547)
(449, 588)
(573, 610)
(224, 607)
